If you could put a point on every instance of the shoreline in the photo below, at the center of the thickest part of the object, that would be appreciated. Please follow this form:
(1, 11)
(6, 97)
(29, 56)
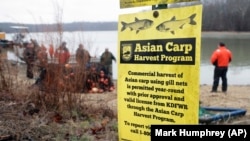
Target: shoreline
(23, 68)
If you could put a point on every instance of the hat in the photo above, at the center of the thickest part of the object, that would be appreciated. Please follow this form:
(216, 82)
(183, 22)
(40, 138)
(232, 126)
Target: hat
(64, 43)
(221, 44)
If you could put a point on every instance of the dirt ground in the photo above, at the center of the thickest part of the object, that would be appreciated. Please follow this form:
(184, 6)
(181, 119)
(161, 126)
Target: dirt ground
(15, 123)
(237, 97)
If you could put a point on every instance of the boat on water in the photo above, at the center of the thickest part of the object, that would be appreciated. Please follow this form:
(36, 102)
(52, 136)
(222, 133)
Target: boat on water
(13, 48)
(18, 39)
(16, 44)
(4, 46)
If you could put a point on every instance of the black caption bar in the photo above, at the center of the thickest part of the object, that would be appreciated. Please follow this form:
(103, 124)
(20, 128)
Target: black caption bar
(219, 132)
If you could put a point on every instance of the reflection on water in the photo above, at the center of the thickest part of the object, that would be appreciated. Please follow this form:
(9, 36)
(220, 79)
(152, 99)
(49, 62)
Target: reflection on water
(238, 43)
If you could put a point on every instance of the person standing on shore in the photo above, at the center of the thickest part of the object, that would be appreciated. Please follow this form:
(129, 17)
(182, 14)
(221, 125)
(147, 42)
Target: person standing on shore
(220, 58)
(106, 61)
(51, 51)
(42, 57)
(82, 57)
(29, 55)
(62, 54)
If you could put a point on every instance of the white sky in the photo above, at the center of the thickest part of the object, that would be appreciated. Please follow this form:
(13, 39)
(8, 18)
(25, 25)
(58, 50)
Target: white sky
(46, 11)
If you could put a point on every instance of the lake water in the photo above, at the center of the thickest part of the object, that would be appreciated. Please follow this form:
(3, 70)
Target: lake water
(96, 42)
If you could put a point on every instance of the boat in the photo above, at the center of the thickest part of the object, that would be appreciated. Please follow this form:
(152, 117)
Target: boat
(18, 39)
(4, 45)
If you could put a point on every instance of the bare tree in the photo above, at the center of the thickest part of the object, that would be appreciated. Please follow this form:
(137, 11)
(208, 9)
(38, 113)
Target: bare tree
(59, 21)
(226, 15)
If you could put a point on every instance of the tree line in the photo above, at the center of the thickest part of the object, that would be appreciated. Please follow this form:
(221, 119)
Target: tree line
(226, 15)
(76, 26)
(219, 15)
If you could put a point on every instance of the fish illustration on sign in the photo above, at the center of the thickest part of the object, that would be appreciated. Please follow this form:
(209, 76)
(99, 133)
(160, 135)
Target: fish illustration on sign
(173, 24)
(137, 25)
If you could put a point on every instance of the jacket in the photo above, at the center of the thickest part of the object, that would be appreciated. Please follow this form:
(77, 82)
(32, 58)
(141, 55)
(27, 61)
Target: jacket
(106, 58)
(221, 57)
(63, 55)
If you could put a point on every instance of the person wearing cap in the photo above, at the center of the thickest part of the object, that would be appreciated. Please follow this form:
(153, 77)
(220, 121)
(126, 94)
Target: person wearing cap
(221, 59)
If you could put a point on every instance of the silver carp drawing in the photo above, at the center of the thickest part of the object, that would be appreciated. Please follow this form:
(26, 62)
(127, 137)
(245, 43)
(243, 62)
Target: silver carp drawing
(137, 25)
(173, 24)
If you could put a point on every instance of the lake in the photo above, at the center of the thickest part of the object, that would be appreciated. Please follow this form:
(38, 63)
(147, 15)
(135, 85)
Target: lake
(97, 41)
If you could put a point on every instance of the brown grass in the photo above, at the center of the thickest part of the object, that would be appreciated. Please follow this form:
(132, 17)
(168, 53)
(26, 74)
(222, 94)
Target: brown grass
(55, 113)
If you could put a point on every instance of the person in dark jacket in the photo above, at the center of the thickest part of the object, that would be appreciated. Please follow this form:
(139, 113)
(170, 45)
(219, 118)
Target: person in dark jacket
(221, 59)
(106, 61)
(29, 55)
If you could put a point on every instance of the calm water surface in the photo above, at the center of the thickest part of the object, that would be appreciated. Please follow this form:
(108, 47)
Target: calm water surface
(96, 42)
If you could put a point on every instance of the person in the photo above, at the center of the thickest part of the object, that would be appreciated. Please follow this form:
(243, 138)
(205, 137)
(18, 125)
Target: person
(91, 80)
(42, 57)
(62, 54)
(29, 55)
(51, 51)
(220, 58)
(105, 83)
(82, 56)
(37, 47)
(106, 62)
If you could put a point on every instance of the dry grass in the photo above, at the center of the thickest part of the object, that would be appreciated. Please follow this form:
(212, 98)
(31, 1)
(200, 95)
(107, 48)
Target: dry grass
(56, 111)
(28, 113)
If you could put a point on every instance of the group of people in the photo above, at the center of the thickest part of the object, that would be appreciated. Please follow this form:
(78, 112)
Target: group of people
(99, 78)
(99, 75)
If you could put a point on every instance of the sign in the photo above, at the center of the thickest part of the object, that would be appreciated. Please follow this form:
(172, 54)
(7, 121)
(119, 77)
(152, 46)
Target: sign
(137, 3)
(158, 70)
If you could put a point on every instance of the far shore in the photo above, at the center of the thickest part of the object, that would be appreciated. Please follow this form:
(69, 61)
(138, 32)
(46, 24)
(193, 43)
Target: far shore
(225, 34)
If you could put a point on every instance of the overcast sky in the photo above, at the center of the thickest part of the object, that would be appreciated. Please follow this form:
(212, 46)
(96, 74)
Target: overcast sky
(46, 11)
